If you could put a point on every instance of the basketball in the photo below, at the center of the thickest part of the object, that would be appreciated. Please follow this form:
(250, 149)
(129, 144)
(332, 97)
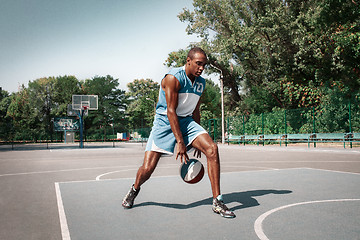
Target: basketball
(192, 172)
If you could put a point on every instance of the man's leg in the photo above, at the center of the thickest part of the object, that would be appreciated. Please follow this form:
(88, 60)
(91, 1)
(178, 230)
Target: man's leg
(207, 146)
(143, 174)
(151, 160)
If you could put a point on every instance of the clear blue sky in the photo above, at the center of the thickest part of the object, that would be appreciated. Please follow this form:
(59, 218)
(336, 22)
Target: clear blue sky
(125, 39)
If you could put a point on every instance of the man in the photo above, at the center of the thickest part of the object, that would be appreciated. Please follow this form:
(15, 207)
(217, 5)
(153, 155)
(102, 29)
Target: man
(177, 121)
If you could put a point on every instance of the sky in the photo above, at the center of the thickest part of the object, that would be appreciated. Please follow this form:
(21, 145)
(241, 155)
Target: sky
(85, 38)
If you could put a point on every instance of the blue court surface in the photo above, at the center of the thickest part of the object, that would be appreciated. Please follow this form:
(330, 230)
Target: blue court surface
(298, 203)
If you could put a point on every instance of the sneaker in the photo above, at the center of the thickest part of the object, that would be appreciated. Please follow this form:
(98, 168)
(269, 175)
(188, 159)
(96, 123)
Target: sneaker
(128, 200)
(220, 208)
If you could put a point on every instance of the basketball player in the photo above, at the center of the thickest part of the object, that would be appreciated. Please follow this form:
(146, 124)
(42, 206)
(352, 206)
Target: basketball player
(177, 121)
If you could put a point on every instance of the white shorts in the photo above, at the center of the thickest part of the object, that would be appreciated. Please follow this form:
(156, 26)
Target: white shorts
(162, 138)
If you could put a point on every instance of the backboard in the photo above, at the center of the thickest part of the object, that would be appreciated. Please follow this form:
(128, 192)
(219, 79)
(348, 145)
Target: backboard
(81, 101)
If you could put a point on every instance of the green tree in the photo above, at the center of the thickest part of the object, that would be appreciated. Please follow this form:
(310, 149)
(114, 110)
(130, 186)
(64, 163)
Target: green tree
(33, 108)
(40, 97)
(112, 103)
(143, 95)
(5, 121)
(25, 121)
(264, 46)
(210, 106)
(63, 89)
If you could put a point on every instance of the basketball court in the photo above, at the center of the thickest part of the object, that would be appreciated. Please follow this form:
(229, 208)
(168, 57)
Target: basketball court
(276, 193)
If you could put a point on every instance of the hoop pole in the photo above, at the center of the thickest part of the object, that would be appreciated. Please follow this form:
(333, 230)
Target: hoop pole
(81, 128)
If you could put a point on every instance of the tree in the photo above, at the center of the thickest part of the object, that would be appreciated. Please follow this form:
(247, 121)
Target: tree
(32, 109)
(263, 46)
(210, 106)
(63, 89)
(40, 97)
(25, 121)
(5, 121)
(143, 95)
(112, 103)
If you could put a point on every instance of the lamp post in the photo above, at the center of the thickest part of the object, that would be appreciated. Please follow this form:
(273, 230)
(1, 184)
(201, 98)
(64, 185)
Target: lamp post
(222, 105)
(112, 125)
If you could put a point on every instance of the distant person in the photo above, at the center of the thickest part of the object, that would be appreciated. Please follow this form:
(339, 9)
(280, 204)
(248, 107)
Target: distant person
(177, 120)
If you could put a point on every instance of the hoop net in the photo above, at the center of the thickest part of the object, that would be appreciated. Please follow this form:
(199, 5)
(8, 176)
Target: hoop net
(86, 110)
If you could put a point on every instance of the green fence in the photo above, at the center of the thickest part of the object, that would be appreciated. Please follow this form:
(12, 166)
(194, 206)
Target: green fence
(296, 123)
(339, 122)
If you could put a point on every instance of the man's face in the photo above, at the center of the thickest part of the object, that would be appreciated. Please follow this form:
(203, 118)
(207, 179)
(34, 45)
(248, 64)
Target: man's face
(197, 64)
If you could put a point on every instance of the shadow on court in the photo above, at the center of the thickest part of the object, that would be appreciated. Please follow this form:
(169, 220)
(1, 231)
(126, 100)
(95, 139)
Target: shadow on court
(245, 199)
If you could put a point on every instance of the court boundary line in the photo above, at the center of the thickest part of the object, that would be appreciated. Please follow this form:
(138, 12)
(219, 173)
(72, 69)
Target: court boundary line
(65, 233)
(98, 178)
(224, 163)
(334, 171)
(293, 149)
(62, 170)
(259, 221)
(165, 176)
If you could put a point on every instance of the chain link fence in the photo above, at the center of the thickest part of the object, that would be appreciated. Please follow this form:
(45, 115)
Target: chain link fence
(340, 119)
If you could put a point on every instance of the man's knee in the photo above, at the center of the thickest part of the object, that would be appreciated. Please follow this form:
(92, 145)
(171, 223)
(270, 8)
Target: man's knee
(212, 151)
(147, 169)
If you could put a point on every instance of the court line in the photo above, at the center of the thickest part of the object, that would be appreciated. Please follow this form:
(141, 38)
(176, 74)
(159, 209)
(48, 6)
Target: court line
(223, 163)
(242, 166)
(125, 170)
(259, 221)
(62, 216)
(334, 171)
(170, 166)
(64, 170)
(222, 173)
(291, 149)
(296, 161)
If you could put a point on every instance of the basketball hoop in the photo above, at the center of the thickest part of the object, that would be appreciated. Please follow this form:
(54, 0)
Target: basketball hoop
(81, 104)
(86, 110)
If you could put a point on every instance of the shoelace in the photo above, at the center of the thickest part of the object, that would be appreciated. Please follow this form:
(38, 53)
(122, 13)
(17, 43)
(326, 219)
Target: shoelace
(222, 205)
(130, 194)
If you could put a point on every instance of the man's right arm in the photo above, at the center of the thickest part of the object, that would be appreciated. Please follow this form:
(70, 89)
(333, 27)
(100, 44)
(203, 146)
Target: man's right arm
(171, 86)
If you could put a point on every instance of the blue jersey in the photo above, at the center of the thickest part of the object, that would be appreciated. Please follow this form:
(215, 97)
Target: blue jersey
(188, 95)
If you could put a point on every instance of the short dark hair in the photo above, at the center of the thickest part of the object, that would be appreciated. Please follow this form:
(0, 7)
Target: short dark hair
(195, 50)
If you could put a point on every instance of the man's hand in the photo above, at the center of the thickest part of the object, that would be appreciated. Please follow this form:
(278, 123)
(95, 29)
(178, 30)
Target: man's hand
(197, 153)
(181, 151)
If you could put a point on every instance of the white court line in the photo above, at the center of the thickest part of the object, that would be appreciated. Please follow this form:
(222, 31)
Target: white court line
(223, 163)
(125, 170)
(63, 222)
(334, 171)
(170, 166)
(296, 161)
(259, 221)
(166, 176)
(64, 170)
(242, 166)
(290, 149)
